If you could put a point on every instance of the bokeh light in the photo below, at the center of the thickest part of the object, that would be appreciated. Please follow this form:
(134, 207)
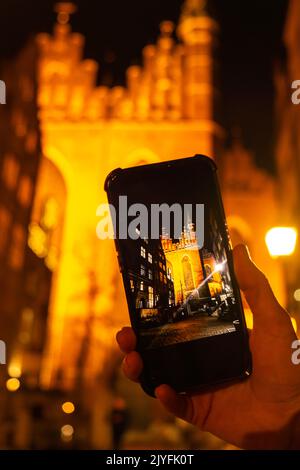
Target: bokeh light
(67, 432)
(281, 241)
(297, 295)
(68, 407)
(13, 384)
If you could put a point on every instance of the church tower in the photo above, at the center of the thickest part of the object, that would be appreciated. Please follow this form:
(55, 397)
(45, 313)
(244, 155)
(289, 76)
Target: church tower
(199, 33)
(165, 110)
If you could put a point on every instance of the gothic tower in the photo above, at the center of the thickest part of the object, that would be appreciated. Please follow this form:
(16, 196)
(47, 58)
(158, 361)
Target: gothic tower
(166, 110)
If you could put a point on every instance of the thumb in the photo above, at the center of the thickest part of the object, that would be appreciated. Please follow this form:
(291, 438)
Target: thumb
(179, 405)
(268, 315)
(184, 406)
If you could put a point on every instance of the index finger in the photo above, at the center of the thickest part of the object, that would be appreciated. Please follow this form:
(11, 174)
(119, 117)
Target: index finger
(126, 339)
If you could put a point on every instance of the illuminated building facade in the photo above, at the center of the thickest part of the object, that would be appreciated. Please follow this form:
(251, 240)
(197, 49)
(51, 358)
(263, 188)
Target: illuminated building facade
(194, 270)
(168, 109)
(150, 278)
(184, 263)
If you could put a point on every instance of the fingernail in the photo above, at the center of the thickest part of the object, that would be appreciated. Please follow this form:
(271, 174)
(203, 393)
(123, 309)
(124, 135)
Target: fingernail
(159, 392)
(118, 335)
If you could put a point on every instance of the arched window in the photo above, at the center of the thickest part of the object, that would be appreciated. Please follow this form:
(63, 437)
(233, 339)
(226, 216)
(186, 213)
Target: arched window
(46, 227)
(208, 270)
(187, 273)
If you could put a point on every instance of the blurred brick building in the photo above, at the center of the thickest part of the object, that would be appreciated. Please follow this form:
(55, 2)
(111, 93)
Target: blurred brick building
(20, 155)
(288, 139)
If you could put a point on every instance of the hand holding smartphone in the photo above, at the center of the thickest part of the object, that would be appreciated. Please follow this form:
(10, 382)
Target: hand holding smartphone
(176, 261)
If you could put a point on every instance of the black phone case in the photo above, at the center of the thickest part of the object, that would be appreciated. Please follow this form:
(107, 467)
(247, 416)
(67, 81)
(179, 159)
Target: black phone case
(111, 179)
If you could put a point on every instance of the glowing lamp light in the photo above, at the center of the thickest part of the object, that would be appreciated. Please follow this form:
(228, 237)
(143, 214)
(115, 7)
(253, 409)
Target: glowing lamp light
(67, 432)
(219, 267)
(281, 241)
(68, 407)
(297, 295)
(13, 384)
(14, 370)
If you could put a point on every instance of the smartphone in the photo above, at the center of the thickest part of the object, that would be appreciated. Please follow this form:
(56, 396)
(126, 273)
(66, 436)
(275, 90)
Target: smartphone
(175, 257)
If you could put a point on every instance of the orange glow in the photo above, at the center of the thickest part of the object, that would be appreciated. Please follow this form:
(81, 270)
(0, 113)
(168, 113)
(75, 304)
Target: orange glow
(67, 432)
(13, 385)
(14, 370)
(249, 318)
(37, 240)
(68, 407)
(281, 241)
(297, 295)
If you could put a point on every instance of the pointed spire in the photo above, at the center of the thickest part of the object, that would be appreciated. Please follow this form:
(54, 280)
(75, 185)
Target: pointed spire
(64, 10)
(194, 8)
(166, 28)
(194, 18)
(62, 27)
(165, 41)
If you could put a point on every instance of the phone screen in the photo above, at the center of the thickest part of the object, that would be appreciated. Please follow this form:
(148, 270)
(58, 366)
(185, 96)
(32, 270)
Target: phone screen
(176, 269)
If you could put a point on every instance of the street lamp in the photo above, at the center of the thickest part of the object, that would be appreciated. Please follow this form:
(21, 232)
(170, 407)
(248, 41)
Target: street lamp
(219, 267)
(281, 241)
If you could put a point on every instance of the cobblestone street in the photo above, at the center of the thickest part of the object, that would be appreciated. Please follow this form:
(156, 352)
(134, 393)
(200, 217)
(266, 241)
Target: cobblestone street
(186, 330)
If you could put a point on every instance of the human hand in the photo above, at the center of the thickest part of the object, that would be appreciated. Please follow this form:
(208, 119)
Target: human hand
(262, 412)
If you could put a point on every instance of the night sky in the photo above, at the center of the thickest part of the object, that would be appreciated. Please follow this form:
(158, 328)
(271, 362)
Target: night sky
(116, 31)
